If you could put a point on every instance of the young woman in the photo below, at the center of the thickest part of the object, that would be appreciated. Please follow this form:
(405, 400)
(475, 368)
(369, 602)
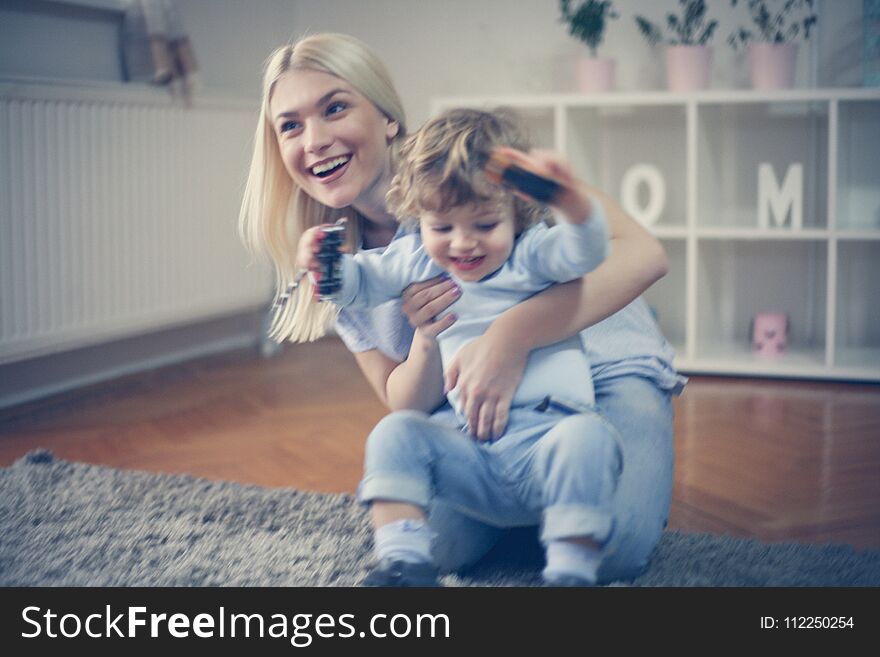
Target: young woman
(325, 147)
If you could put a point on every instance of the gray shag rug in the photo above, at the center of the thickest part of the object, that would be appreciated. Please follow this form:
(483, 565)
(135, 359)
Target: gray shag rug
(72, 524)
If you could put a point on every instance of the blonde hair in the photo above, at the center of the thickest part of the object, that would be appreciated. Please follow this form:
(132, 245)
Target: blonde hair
(441, 165)
(274, 210)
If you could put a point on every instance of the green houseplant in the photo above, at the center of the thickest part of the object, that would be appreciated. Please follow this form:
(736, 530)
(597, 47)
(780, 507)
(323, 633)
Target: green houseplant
(587, 23)
(688, 53)
(690, 29)
(791, 19)
(772, 47)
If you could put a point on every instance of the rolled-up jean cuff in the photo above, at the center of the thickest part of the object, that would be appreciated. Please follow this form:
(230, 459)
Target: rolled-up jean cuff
(571, 521)
(395, 488)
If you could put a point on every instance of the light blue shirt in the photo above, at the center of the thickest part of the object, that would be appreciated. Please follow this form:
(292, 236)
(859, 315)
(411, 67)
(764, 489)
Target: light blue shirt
(625, 344)
(541, 256)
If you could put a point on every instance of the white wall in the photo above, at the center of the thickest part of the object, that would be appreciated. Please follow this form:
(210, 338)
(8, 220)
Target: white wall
(233, 38)
(450, 47)
(456, 46)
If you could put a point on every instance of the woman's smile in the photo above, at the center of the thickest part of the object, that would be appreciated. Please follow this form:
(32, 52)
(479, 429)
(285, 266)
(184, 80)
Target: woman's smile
(330, 169)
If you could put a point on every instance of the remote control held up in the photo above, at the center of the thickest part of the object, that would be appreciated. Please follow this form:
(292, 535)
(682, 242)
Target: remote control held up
(502, 170)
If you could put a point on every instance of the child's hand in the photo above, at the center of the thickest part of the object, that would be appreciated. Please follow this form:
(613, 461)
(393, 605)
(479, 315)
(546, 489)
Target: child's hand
(574, 201)
(307, 250)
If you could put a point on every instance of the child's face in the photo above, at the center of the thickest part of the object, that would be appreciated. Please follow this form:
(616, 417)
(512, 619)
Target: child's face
(470, 241)
(332, 139)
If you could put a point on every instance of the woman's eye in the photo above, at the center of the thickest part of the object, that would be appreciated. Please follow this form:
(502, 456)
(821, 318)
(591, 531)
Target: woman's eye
(288, 126)
(336, 107)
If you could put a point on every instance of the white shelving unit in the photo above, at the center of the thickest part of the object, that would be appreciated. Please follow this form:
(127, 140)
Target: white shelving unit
(724, 267)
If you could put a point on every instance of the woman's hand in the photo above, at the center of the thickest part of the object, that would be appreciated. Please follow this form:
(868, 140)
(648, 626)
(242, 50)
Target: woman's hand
(487, 372)
(422, 302)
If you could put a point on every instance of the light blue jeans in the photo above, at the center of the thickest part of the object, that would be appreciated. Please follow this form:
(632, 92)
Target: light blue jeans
(553, 465)
(606, 474)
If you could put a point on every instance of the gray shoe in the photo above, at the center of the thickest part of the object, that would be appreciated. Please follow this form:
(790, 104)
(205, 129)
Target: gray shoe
(394, 573)
(568, 581)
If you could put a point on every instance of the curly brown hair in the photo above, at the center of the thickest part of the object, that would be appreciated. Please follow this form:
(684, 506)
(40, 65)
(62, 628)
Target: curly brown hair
(441, 165)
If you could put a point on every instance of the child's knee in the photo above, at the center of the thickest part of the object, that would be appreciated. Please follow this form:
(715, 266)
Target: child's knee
(584, 439)
(395, 430)
(402, 440)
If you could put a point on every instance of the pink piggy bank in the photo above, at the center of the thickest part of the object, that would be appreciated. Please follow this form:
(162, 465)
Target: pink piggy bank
(769, 334)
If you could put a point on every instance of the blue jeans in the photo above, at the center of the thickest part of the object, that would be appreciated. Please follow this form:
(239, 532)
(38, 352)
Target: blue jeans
(641, 417)
(554, 466)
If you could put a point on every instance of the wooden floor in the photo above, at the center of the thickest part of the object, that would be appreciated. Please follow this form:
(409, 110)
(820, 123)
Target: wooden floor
(776, 460)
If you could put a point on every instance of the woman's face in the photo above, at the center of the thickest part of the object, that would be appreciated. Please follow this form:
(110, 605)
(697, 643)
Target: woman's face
(333, 141)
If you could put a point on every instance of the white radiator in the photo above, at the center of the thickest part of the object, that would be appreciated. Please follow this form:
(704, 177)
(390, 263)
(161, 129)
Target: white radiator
(118, 214)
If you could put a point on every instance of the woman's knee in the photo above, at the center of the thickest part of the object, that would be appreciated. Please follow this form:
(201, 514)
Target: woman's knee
(640, 412)
(629, 555)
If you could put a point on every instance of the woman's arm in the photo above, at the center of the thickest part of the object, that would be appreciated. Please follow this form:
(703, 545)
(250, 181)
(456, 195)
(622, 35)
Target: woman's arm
(489, 369)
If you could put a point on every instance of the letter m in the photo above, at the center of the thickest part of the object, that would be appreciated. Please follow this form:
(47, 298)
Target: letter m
(779, 202)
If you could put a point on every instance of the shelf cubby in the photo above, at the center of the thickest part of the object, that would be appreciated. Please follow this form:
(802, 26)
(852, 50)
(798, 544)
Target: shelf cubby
(540, 124)
(606, 144)
(857, 325)
(738, 279)
(858, 176)
(735, 139)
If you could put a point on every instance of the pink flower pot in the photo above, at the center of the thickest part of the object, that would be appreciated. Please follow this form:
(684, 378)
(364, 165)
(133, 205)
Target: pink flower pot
(688, 67)
(773, 65)
(595, 74)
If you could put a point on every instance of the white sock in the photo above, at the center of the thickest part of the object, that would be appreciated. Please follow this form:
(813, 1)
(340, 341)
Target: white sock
(570, 558)
(404, 540)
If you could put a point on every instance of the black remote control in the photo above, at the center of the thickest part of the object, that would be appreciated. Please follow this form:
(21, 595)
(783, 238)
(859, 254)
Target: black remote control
(501, 169)
(329, 256)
